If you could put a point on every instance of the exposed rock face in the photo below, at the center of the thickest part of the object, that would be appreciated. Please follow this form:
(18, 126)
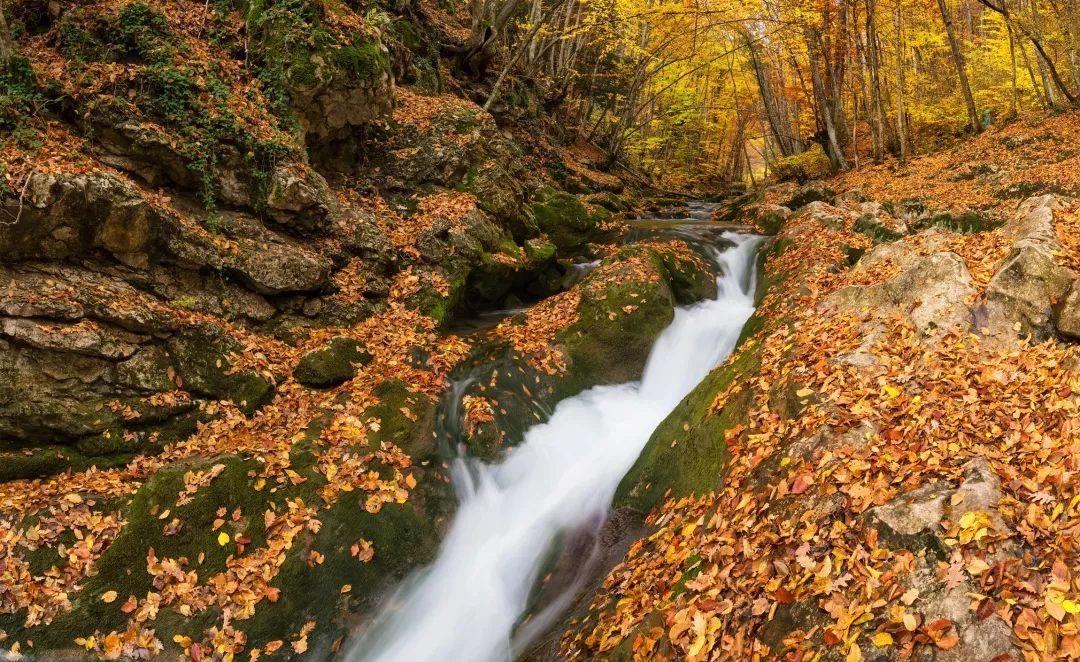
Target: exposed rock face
(61, 216)
(932, 291)
(290, 193)
(918, 520)
(457, 146)
(1067, 319)
(1021, 296)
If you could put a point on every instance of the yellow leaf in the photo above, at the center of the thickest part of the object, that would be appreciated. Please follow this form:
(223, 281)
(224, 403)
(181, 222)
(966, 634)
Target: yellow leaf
(882, 639)
(410, 480)
(804, 392)
(688, 530)
(1070, 606)
(892, 391)
(223, 539)
(346, 588)
(108, 596)
(854, 654)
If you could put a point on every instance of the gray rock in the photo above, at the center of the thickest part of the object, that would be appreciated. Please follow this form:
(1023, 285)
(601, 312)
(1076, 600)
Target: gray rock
(1067, 318)
(931, 291)
(1021, 295)
(63, 215)
(86, 338)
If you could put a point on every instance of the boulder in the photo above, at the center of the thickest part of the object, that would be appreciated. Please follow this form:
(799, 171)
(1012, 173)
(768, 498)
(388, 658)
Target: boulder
(331, 364)
(1021, 295)
(203, 358)
(1067, 317)
(264, 261)
(566, 220)
(931, 291)
(803, 167)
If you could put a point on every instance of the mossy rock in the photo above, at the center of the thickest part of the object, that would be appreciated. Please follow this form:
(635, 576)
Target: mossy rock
(736, 209)
(122, 567)
(969, 222)
(617, 325)
(688, 281)
(566, 220)
(688, 454)
(871, 226)
(202, 359)
(331, 364)
(808, 165)
(815, 192)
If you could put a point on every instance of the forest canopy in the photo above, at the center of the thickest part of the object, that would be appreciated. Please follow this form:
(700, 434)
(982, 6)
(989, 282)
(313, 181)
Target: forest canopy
(719, 89)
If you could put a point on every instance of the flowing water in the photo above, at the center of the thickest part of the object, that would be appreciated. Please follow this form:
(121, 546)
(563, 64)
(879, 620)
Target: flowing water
(563, 476)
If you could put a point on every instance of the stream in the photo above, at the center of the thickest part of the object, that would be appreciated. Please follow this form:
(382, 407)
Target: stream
(465, 606)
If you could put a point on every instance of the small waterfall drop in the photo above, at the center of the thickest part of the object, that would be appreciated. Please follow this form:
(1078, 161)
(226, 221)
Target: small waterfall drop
(465, 605)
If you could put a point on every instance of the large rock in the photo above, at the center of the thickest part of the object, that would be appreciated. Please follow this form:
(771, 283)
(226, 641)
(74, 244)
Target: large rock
(446, 142)
(932, 291)
(59, 216)
(566, 220)
(916, 521)
(331, 364)
(289, 192)
(1021, 295)
(1067, 319)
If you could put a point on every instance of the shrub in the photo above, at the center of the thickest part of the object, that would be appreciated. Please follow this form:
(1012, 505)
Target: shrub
(811, 164)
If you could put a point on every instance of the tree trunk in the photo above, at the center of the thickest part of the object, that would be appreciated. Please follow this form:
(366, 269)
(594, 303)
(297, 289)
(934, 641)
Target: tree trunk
(836, 155)
(901, 115)
(1014, 100)
(7, 47)
(961, 72)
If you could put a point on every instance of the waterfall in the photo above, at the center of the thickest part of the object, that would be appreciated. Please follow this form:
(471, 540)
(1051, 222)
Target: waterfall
(563, 476)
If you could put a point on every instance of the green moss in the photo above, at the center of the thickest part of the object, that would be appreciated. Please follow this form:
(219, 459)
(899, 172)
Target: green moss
(687, 453)
(142, 32)
(803, 167)
(331, 364)
(122, 567)
(565, 219)
(202, 360)
(613, 335)
(969, 222)
(20, 96)
(363, 59)
(808, 194)
(869, 225)
(734, 209)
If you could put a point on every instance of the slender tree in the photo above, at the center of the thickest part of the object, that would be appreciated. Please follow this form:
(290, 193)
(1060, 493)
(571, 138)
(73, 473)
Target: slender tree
(961, 72)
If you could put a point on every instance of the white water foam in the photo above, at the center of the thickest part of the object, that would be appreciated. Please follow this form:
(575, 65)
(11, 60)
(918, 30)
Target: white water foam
(564, 475)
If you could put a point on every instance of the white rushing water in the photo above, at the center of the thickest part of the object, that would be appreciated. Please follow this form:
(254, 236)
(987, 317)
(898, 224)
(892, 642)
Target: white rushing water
(564, 475)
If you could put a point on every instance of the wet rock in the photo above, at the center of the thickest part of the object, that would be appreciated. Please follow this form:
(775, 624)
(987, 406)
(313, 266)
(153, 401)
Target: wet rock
(331, 365)
(1021, 295)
